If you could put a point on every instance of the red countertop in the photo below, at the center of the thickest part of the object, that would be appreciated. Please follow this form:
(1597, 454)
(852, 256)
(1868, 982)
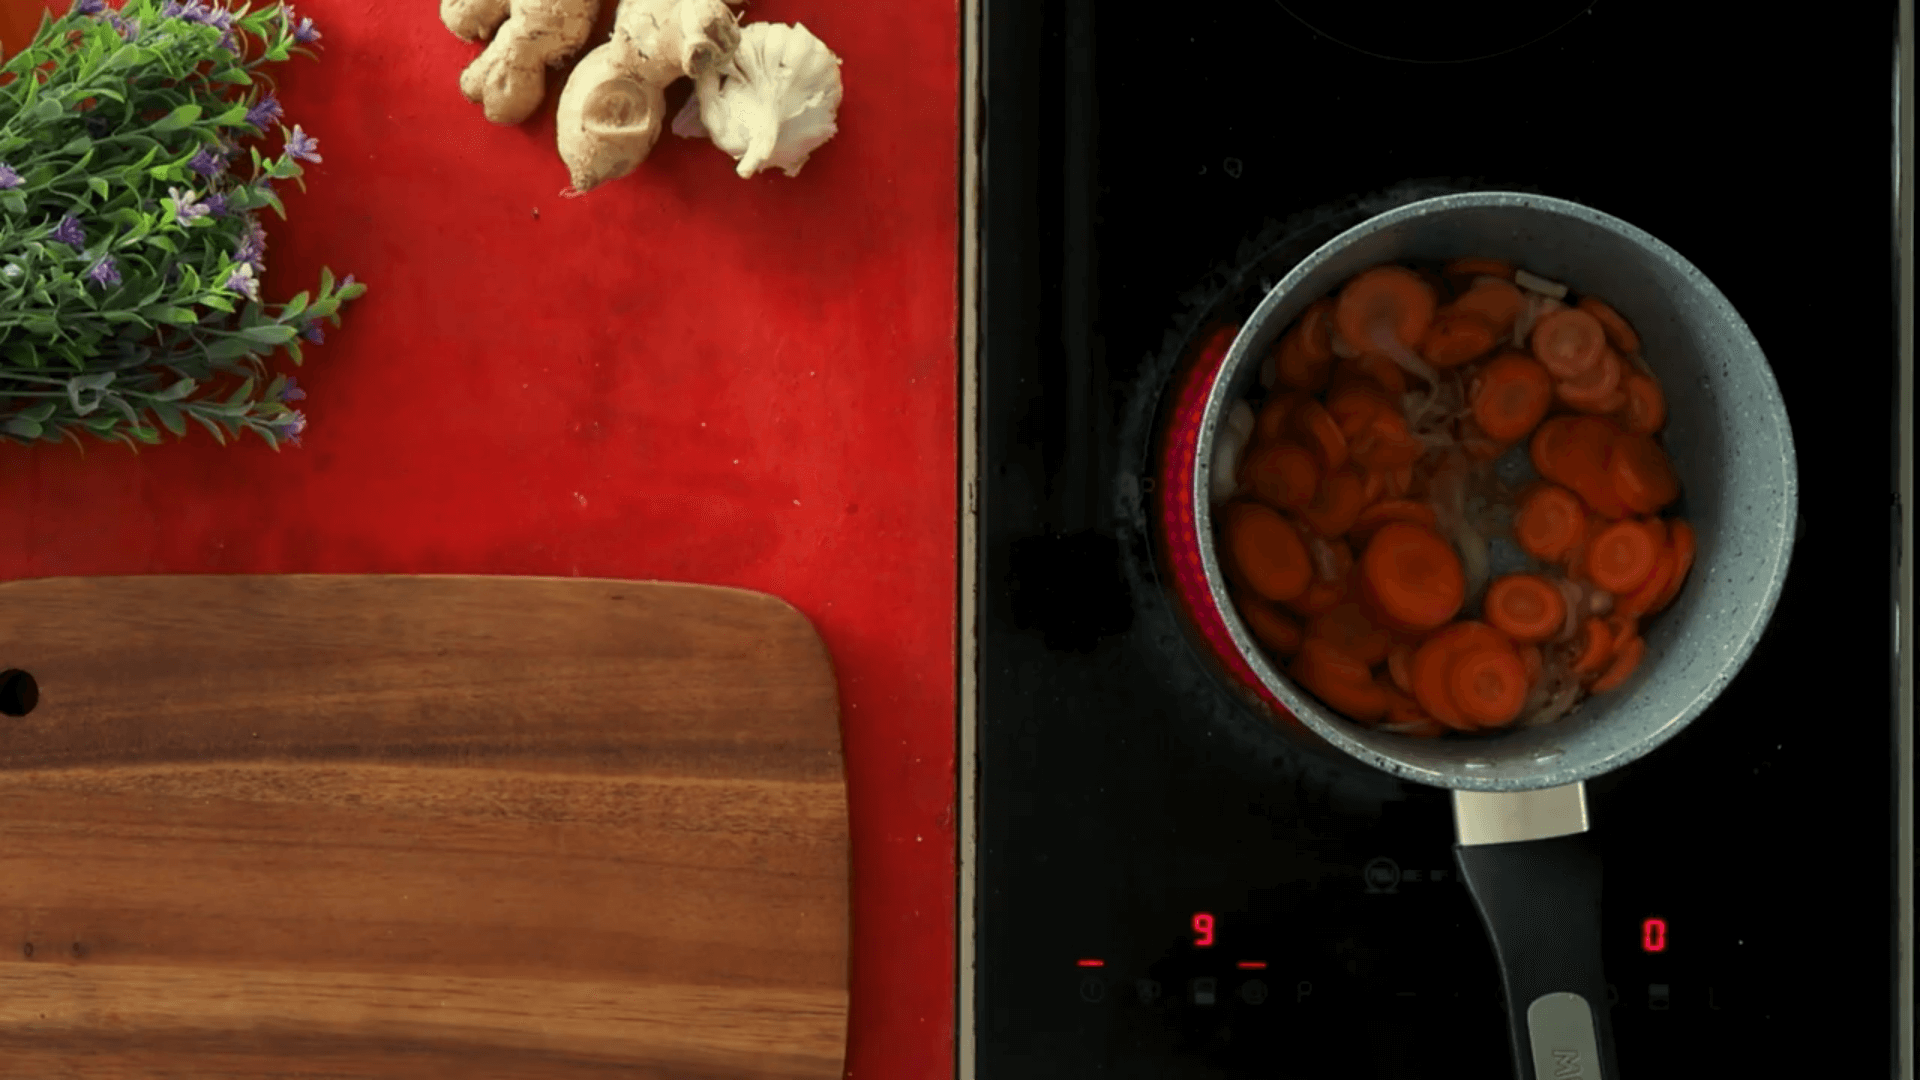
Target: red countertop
(682, 376)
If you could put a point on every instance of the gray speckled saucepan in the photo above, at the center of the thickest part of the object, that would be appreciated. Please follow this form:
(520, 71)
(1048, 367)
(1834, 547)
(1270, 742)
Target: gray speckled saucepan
(1518, 796)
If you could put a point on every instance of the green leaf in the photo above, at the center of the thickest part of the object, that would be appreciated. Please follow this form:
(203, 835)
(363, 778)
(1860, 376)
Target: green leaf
(326, 281)
(14, 202)
(292, 308)
(270, 334)
(39, 413)
(293, 350)
(170, 416)
(79, 144)
(147, 435)
(217, 302)
(232, 117)
(21, 427)
(177, 119)
(177, 391)
(178, 316)
(98, 185)
(241, 395)
(47, 108)
(232, 348)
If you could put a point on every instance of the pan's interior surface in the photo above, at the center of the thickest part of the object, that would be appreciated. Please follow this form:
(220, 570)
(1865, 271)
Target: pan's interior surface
(1727, 433)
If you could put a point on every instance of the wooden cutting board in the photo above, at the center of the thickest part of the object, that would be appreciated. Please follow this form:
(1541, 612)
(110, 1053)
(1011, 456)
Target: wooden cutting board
(340, 826)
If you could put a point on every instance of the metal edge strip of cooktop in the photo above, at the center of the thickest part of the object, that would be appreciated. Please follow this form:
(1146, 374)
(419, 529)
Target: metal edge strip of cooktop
(1903, 616)
(967, 764)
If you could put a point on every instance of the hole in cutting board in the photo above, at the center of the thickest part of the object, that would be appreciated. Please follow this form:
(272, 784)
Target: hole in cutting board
(19, 693)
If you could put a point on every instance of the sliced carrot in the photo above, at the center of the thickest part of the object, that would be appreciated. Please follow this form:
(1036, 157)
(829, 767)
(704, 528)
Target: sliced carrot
(1619, 334)
(1498, 302)
(1271, 627)
(1576, 557)
(1549, 521)
(1348, 628)
(1575, 452)
(1401, 706)
(1266, 551)
(1391, 298)
(1354, 407)
(1386, 442)
(1568, 342)
(1400, 481)
(1624, 661)
(1645, 410)
(1400, 666)
(1641, 473)
(1317, 431)
(1526, 607)
(1680, 538)
(1341, 497)
(1409, 510)
(1475, 267)
(1622, 556)
(1275, 413)
(1371, 369)
(1642, 599)
(1303, 358)
(1489, 685)
(1284, 475)
(1623, 627)
(1320, 597)
(1595, 650)
(1511, 396)
(1457, 337)
(1431, 668)
(1412, 578)
(1596, 390)
(1338, 679)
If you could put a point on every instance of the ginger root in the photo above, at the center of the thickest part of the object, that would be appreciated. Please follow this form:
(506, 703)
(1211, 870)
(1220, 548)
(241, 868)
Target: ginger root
(528, 36)
(614, 104)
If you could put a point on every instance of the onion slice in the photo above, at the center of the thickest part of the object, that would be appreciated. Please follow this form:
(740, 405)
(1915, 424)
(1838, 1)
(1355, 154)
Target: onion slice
(1535, 283)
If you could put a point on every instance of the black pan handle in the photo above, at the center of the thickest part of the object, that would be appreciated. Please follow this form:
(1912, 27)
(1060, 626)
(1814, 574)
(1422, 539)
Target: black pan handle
(1540, 901)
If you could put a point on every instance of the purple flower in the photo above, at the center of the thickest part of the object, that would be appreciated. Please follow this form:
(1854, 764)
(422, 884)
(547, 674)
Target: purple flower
(69, 232)
(208, 162)
(216, 204)
(289, 427)
(292, 391)
(253, 247)
(193, 11)
(8, 178)
(104, 273)
(314, 333)
(303, 146)
(88, 7)
(302, 30)
(187, 207)
(264, 112)
(243, 281)
(129, 28)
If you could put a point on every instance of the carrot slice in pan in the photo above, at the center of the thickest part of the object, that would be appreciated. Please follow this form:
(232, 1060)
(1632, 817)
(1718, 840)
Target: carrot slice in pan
(1275, 413)
(1641, 474)
(1489, 685)
(1622, 556)
(1266, 551)
(1339, 680)
(1549, 521)
(1619, 334)
(1456, 337)
(1431, 668)
(1271, 627)
(1347, 628)
(1317, 430)
(1498, 302)
(1284, 475)
(1341, 497)
(1392, 298)
(1471, 267)
(1622, 665)
(1595, 650)
(1411, 577)
(1511, 396)
(1645, 411)
(1568, 342)
(1526, 607)
(1304, 356)
(1680, 537)
(1374, 516)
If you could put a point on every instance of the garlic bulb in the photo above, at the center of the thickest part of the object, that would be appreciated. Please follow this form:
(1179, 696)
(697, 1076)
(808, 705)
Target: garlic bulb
(773, 104)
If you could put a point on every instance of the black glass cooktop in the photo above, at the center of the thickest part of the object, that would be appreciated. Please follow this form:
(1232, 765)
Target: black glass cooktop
(1167, 887)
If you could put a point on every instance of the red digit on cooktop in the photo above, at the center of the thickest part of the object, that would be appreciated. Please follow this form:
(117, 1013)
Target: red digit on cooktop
(1653, 935)
(1202, 929)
